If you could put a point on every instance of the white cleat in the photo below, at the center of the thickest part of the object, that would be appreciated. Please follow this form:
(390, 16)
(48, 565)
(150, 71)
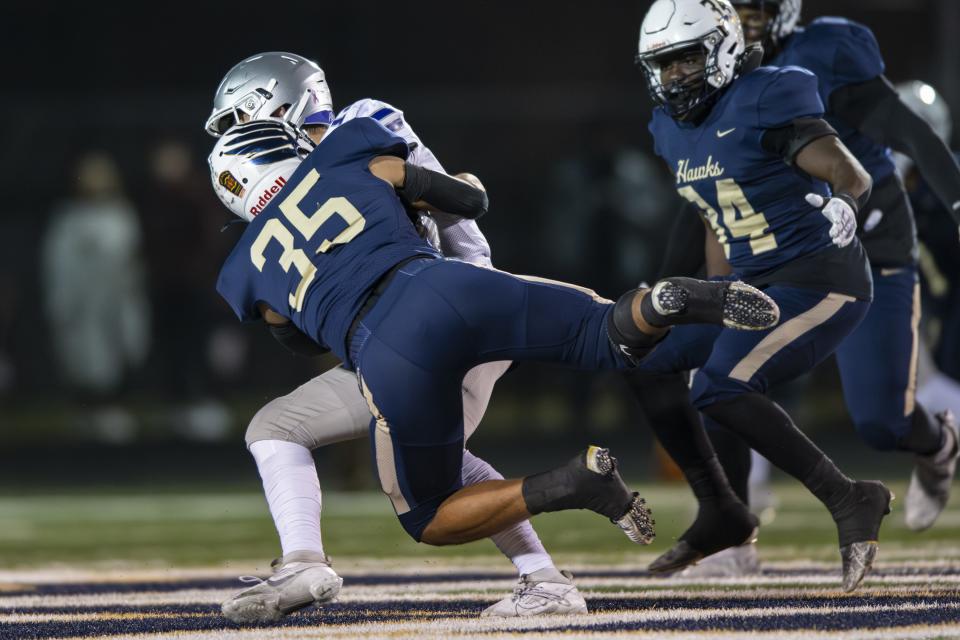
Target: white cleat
(734, 562)
(543, 592)
(932, 476)
(299, 579)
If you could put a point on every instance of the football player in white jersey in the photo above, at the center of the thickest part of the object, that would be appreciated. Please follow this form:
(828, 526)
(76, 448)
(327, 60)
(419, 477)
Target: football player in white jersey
(330, 408)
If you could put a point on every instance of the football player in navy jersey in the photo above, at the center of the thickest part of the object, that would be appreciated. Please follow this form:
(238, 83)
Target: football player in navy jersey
(878, 361)
(938, 373)
(330, 407)
(334, 253)
(779, 193)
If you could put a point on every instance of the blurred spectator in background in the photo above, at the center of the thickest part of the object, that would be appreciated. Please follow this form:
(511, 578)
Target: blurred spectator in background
(181, 219)
(94, 289)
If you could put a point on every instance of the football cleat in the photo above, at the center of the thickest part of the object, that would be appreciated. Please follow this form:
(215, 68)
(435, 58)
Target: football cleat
(733, 562)
(717, 527)
(735, 305)
(932, 476)
(299, 579)
(637, 520)
(858, 521)
(542, 592)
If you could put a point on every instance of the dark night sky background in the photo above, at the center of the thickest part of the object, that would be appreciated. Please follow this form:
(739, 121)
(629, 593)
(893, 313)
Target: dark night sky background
(513, 91)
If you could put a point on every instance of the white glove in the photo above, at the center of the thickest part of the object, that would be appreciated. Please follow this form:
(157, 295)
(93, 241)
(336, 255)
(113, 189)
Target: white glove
(842, 217)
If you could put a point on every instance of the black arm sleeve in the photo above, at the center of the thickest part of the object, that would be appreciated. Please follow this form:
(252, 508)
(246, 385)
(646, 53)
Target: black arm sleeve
(685, 246)
(788, 141)
(450, 195)
(296, 342)
(875, 109)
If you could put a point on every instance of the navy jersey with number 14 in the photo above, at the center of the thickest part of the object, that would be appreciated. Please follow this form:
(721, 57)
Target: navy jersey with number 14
(325, 239)
(752, 199)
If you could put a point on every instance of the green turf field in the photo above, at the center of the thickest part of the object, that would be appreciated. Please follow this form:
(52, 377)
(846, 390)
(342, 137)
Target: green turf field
(127, 563)
(204, 528)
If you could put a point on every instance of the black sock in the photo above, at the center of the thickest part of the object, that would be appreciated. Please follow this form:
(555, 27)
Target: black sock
(665, 399)
(734, 456)
(926, 433)
(574, 486)
(766, 427)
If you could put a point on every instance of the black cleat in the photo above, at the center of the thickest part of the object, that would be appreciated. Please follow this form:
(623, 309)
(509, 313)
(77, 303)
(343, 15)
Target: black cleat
(625, 508)
(735, 305)
(858, 521)
(717, 527)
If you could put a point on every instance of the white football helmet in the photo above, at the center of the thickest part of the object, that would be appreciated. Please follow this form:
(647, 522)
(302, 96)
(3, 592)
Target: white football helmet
(784, 21)
(252, 162)
(674, 26)
(929, 105)
(263, 84)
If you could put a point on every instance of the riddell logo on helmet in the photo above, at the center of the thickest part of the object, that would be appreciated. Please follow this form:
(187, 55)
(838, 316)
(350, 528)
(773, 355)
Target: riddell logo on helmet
(267, 196)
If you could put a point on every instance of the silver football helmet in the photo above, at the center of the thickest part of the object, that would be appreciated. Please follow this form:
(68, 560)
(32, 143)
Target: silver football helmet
(252, 162)
(674, 26)
(784, 21)
(263, 85)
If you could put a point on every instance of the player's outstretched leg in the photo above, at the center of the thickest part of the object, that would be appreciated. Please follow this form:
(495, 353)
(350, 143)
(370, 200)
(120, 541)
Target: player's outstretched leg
(299, 579)
(932, 476)
(591, 481)
(734, 305)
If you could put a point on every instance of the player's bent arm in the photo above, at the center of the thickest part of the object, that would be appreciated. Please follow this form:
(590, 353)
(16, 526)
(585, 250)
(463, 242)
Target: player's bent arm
(287, 334)
(828, 159)
(875, 109)
(716, 261)
(437, 190)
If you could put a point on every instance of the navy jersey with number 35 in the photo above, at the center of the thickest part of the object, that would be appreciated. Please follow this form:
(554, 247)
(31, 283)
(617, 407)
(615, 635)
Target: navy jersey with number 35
(325, 238)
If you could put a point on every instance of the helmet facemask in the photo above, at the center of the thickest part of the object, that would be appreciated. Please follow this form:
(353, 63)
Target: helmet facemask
(691, 95)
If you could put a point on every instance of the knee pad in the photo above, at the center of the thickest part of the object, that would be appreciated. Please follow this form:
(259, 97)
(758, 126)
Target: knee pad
(624, 332)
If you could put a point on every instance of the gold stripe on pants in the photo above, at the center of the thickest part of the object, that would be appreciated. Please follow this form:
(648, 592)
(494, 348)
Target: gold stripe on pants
(383, 445)
(787, 333)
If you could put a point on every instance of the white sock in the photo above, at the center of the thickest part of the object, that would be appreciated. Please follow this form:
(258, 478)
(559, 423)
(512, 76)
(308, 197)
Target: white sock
(292, 489)
(519, 542)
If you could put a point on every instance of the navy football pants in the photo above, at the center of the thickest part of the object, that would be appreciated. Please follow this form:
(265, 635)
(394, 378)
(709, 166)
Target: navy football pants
(878, 361)
(812, 325)
(436, 320)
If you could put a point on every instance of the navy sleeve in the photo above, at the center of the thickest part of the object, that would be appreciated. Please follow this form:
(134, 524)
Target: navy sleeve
(232, 287)
(790, 93)
(361, 139)
(842, 52)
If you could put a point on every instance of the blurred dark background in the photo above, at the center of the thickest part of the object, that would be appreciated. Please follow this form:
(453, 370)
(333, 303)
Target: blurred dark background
(118, 359)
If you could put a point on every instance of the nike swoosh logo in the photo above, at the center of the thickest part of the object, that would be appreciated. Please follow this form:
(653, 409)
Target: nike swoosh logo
(721, 134)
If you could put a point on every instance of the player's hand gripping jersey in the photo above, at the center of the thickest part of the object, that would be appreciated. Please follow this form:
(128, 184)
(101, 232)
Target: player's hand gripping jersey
(324, 240)
(752, 199)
